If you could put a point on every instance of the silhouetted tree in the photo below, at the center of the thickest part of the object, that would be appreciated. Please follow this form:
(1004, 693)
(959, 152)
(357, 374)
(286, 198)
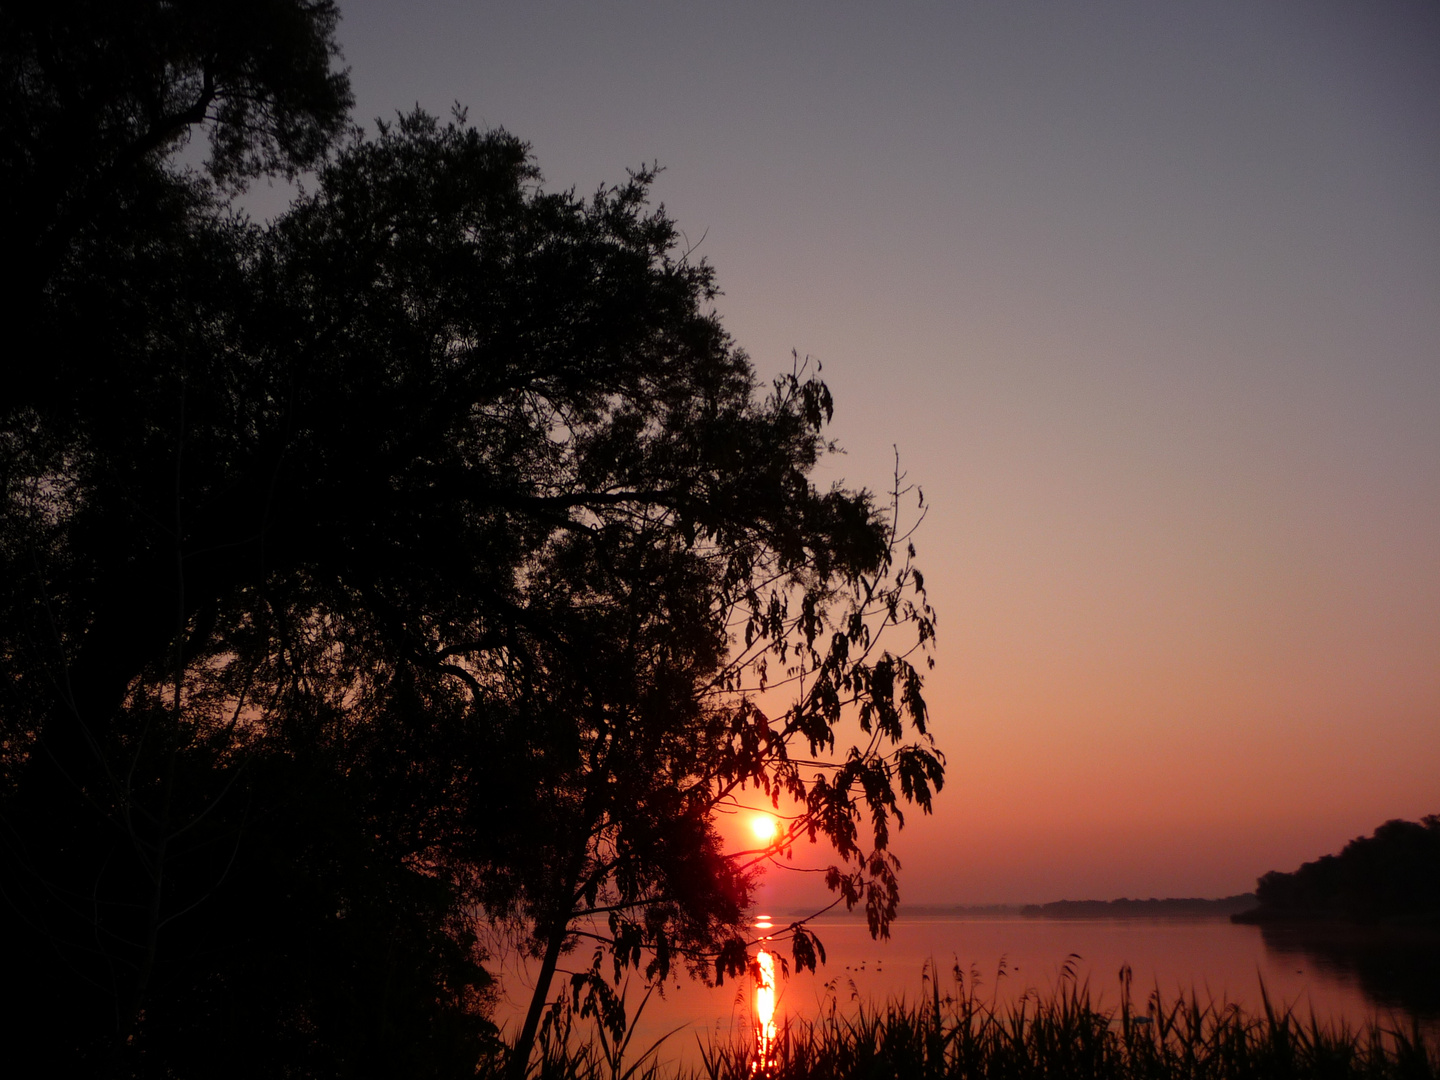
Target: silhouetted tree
(418, 555)
(143, 935)
(1392, 875)
(608, 532)
(95, 95)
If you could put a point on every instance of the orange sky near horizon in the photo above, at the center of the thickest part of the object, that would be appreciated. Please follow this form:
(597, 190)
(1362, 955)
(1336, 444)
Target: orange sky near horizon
(1146, 296)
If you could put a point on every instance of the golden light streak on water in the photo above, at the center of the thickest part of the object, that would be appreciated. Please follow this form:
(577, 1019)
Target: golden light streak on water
(764, 1005)
(764, 1010)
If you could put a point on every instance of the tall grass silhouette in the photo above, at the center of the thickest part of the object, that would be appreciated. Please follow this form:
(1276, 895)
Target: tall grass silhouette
(956, 1033)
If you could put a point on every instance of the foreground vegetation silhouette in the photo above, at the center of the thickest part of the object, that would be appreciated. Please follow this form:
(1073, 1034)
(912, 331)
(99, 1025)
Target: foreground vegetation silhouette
(957, 1034)
(413, 563)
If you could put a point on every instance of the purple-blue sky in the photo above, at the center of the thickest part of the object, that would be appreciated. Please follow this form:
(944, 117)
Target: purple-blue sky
(1147, 295)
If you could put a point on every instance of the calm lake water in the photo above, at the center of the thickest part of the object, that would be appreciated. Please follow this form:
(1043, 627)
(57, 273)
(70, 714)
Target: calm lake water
(1352, 977)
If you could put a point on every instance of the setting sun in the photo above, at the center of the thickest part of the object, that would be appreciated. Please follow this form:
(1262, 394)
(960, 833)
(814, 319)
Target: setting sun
(765, 827)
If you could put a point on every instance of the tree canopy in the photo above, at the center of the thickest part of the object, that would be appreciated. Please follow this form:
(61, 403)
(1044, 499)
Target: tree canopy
(1392, 875)
(417, 558)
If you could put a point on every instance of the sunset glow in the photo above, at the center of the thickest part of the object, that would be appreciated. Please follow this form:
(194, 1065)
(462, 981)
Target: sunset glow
(765, 827)
(1146, 310)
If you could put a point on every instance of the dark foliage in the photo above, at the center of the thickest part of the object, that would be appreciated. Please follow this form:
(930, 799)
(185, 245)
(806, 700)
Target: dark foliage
(411, 562)
(94, 97)
(1392, 876)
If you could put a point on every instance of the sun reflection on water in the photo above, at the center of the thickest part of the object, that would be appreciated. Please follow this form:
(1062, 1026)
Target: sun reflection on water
(764, 1004)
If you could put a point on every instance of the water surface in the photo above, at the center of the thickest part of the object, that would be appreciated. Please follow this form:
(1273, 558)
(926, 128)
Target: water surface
(1351, 977)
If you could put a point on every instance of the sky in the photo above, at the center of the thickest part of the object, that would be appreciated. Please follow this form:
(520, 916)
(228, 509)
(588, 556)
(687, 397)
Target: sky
(1147, 298)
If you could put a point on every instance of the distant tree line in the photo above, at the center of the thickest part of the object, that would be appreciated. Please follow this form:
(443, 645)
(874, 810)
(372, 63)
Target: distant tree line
(409, 567)
(1170, 907)
(1392, 876)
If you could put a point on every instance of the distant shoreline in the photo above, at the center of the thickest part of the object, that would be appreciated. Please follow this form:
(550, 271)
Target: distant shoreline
(1167, 908)
(1189, 907)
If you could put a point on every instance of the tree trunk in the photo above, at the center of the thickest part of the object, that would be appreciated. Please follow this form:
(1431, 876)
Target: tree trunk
(520, 1053)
